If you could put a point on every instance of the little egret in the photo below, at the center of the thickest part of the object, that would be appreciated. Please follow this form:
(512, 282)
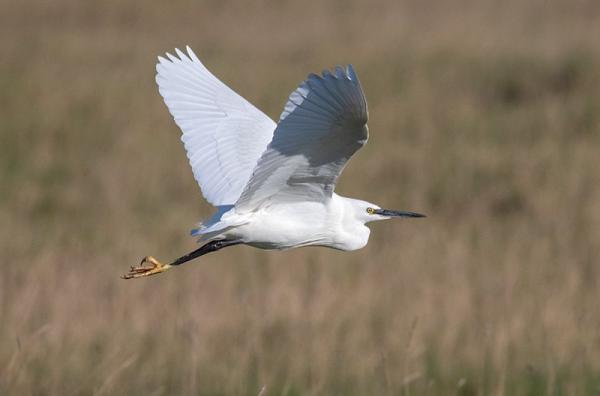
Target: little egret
(272, 184)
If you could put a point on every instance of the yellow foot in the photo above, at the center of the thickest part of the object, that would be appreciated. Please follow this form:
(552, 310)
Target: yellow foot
(141, 270)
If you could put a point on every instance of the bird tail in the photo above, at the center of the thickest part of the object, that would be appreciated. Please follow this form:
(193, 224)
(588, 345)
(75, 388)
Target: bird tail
(224, 219)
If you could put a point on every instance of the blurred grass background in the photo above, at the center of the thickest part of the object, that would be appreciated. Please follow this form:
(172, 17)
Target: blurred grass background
(485, 115)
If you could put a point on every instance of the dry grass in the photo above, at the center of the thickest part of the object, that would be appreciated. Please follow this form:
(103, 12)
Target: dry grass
(484, 115)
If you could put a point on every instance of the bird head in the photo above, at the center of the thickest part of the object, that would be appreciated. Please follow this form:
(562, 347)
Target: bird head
(368, 212)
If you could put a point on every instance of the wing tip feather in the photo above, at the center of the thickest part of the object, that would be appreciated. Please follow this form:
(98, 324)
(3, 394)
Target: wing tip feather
(351, 73)
(187, 56)
(192, 55)
(180, 54)
(337, 72)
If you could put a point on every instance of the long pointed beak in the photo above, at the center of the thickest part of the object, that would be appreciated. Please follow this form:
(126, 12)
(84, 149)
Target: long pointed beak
(397, 213)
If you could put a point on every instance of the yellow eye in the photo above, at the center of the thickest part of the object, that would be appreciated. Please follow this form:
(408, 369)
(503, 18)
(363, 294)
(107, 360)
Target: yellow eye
(370, 211)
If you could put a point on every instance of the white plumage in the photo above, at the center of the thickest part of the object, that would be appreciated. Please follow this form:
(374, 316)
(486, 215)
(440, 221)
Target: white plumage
(273, 184)
(224, 135)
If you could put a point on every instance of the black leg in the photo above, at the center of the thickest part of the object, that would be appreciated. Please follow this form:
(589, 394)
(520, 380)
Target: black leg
(210, 247)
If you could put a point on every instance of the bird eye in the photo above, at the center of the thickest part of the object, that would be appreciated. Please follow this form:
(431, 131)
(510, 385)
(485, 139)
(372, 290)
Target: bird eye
(370, 211)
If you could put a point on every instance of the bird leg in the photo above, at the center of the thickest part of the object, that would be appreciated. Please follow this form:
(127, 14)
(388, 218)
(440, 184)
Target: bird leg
(141, 270)
(157, 267)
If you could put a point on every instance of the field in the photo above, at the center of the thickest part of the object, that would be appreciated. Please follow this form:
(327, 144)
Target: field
(484, 115)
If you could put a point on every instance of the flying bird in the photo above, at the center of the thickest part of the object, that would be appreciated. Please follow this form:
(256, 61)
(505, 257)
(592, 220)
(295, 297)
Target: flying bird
(272, 183)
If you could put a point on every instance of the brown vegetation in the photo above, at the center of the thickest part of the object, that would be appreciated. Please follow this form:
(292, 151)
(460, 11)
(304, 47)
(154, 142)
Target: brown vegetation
(485, 115)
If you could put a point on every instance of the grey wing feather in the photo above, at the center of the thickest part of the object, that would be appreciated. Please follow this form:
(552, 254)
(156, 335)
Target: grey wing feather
(322, 125)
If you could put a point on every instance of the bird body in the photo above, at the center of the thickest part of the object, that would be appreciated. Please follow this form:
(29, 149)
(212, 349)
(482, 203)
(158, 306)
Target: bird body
(271, 183)
(335, 223)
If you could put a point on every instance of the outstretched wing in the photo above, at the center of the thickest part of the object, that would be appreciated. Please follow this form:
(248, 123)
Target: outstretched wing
(224, 135)
(322, 125)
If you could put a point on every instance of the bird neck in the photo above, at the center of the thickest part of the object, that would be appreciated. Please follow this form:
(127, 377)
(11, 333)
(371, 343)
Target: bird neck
(351, 232)
(353, 210)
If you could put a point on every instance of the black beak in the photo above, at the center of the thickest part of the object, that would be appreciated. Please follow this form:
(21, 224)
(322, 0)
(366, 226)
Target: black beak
(397, 213)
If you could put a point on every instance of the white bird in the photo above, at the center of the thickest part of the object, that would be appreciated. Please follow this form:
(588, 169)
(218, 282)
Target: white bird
(272, 184)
